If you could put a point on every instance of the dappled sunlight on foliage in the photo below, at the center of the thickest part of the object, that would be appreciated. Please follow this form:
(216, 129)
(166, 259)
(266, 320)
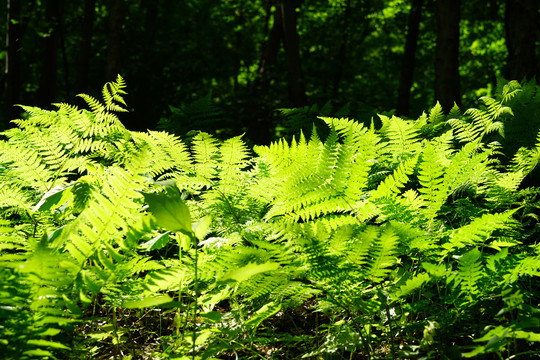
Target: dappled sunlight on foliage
(411, 239)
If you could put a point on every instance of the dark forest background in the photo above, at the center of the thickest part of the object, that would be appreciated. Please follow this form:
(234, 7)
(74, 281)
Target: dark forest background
(237, 62)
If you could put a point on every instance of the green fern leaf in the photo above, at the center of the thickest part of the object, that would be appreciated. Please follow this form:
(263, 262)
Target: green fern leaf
(470, 272)
(431, 177)
(412, 285)
(383, 254)
(393, 183)
(436, 114)
(402, 136)
(478, 230)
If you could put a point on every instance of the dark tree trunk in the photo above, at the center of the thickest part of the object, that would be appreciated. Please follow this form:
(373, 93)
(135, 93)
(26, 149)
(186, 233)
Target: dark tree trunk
(47, 84)
(447, 81)
(521, 24)
(342, 51)
(269, 57)
(408, 63)
(297, 92)
(258, 126)
(61, 38)
(85, 47)
(117, 11)
(146, 91)
(12, 72)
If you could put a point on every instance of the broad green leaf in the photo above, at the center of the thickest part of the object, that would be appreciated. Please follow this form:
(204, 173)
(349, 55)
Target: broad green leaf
(50, 344)
(169, 210)
(245, 272)
(149, 302)
(527, 335)
(202, 227)
(50, 332)
(38, 353)
(54, 198)
(213, 316)
(157, 242)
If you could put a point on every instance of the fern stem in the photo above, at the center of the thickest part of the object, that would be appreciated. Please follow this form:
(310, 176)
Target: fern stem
(233, 213)
(115, 332)
(392, 344)
(196, 288)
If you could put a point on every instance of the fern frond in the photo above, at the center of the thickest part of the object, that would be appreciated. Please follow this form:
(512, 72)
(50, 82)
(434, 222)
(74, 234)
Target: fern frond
(206, 155)
(470, 272)
(14, 199)
(167, 152)
(467, 167)
(455, 112)
(431, 177)
(319, 180)
(111, 209)
(383, 254)
(402, 136)
(36, 303)
(94, 104)
(496, 109)
(478, 230)
(526, 160)
(436, 114)
(394, 182)
(112, 94)
(464, 131)
(529, 266)
(501, 187)
(509, 90)
(412, 284)
(233, 155)
(26, 165)
(360, 245)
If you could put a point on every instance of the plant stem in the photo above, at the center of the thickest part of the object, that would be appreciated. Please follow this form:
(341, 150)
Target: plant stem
(196, 287)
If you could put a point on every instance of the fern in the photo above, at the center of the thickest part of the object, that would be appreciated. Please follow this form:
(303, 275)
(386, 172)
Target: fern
(470, 272)
(431, 176)
(393, 183)
(479, 230)
(413, 223)
(383, 255)
(402, 136)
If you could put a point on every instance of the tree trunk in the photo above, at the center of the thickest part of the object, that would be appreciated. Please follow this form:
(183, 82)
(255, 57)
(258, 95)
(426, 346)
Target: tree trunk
(117, 11)
(521, 24)
(297, 92)
(12, 72)
(47, 84)
(269, 57)
(447, 81)
(145, 91)
(408, 63)
(65, 65)
(85, 47)
(342, 51)
(258, 126)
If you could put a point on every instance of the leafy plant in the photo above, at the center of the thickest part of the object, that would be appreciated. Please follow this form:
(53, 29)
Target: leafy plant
(400, 241)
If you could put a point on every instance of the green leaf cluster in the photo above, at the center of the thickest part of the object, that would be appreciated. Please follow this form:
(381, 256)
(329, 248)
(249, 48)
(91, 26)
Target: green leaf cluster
(408, 237)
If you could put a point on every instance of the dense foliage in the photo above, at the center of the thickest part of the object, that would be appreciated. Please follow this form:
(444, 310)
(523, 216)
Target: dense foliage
(405, 240)
(175, 53)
